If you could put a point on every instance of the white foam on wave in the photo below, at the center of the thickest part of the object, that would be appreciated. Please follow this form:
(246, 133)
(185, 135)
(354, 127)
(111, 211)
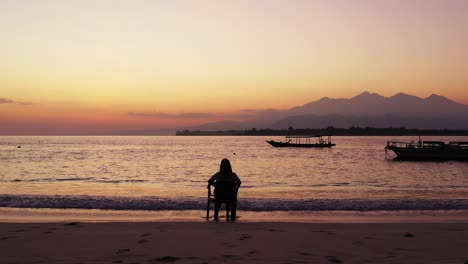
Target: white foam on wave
(154, 203)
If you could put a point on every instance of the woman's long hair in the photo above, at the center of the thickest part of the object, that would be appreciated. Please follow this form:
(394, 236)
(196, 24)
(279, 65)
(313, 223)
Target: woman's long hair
(225, 167)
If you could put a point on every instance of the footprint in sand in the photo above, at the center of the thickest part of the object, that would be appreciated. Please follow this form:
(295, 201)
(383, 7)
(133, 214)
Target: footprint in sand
(334, 259)
(142, 241)
(227, 244)
(73, 224)
(408, 235)
(399, 249)
(322, 231)
(319, 231)
(275, 230)
(231, 258)
(166, 259)
(8, 237)
(305, 253)
(244, 237)
(455, 229)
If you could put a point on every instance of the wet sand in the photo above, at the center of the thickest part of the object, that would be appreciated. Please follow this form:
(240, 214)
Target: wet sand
(241, 242)
(43, 215)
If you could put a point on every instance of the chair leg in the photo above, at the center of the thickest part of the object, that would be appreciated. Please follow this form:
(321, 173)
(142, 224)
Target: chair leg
(208, 208)
(233, 211)
(216, 212)
(228, 209)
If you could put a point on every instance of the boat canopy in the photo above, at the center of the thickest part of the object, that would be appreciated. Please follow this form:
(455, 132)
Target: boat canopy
(434, 142)
(314, 136)
(459, 142)
(307, 139)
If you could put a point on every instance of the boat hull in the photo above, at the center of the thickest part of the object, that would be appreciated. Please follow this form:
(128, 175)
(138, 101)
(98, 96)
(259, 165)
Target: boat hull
(429, 154)
(277, 144)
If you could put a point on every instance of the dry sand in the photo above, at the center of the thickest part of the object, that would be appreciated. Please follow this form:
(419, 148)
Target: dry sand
(160, 242)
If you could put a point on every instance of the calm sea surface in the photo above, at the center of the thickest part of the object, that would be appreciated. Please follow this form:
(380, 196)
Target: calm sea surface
(170, 173)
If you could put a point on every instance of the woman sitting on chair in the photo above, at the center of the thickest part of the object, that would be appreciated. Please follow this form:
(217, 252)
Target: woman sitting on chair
(226, 183)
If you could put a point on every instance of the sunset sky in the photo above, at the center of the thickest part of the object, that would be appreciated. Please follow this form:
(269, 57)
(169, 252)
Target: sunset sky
(105, 65)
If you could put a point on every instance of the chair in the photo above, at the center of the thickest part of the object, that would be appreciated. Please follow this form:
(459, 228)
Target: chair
(225, 192)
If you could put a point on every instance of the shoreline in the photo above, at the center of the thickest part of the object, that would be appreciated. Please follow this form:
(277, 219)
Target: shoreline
(29, 215)
(162, 242)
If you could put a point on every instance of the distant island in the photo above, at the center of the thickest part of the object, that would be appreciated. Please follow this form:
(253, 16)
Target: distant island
(352, 131)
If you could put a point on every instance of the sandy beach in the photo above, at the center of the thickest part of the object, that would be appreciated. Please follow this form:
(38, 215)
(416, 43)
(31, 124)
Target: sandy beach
(190, 242)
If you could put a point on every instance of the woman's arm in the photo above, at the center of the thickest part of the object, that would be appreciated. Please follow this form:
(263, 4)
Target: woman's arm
(237, 180)
(213, 178)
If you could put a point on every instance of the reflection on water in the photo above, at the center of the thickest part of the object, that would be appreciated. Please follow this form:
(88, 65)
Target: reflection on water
(174, 167)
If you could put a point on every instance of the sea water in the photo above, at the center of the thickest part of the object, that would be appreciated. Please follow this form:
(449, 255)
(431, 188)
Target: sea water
(159, 173)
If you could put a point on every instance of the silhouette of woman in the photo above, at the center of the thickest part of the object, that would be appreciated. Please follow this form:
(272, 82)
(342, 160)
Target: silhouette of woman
(226, 183)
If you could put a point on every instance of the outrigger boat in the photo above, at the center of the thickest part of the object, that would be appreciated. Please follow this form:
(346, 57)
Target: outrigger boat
(302, 142)
(429, 150)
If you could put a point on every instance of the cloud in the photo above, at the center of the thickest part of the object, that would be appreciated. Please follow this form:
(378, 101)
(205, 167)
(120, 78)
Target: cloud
(165, 115)
(8, 101)
(200, 115)
(236, 116)
(266, 114)
(249, 110)
(24, 103)
(260, 110)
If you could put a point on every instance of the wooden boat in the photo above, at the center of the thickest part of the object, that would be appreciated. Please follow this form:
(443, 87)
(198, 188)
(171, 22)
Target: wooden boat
(302, 142)
(429, 150)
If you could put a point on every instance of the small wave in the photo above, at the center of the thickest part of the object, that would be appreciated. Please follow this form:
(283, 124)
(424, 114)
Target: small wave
(54, 179)
(154, 203)
(121, 181)
(340, 184)
(87, 179)
(74, 179)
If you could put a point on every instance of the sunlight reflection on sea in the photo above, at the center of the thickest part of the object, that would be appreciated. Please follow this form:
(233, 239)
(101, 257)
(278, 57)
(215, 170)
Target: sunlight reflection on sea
(169, 166)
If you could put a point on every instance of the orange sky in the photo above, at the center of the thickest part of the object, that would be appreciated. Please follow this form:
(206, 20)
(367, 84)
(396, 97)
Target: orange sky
(85, 65)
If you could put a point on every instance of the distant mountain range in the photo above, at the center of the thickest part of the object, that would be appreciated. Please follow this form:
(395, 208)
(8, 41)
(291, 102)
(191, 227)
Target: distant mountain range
(364, 110)
(372, 104)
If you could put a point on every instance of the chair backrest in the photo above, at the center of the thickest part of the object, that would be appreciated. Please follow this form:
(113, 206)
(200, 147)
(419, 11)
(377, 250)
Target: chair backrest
(225, 191)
